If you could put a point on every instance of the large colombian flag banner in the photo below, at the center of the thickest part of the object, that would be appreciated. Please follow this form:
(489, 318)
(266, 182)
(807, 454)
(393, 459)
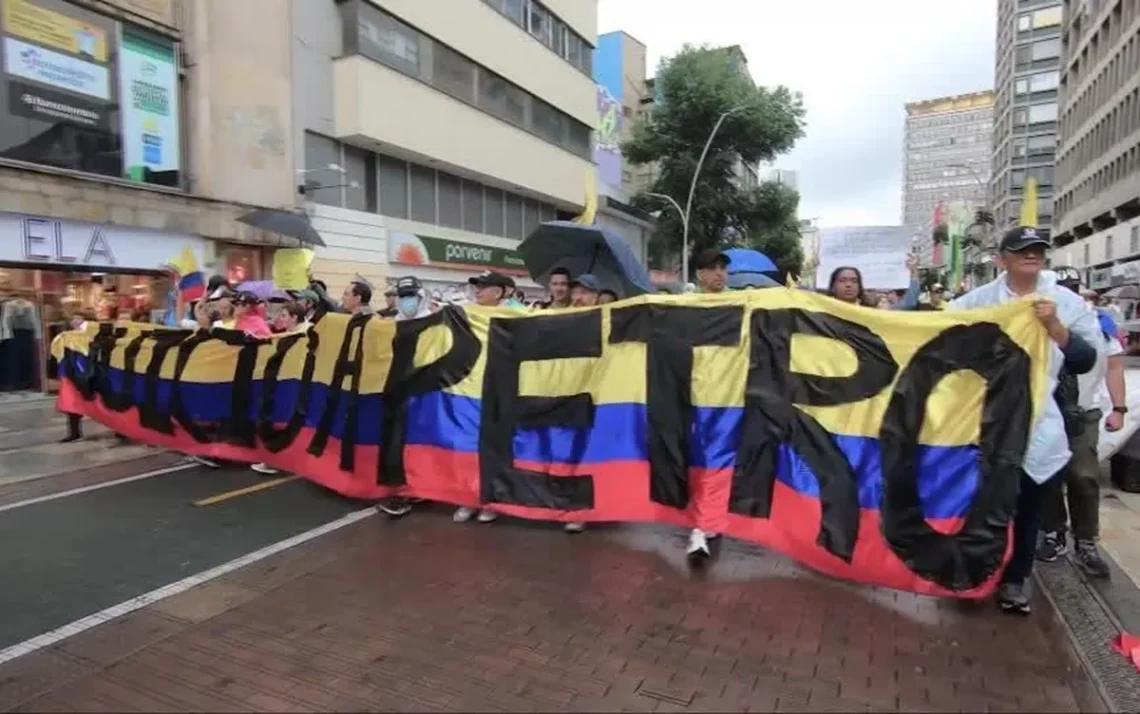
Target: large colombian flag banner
(872, 445)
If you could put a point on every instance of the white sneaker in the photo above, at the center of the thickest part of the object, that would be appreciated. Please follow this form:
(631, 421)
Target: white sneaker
(264, 468)
(574, 527)
(698, 545)
(486, 516)
(463, 514)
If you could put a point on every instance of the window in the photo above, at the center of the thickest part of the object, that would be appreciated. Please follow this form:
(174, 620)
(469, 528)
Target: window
(530, 216)
(1042, 145)
(1021, 86)
(453, 73)
(1017, 178)
(1043, 174)
(1049, 17)
(513, 217)
(1134, 240)
(1108, 247)
(574, 49)
(423, 194)
(502, 99)
(473, 206)
(450, 200)
(387, 40)
(559, 39)
(1087, 261)
(515, 10)
(1045, 49)
(1043, 112)
(392, 185)
(1019, 116)
(547, 213)
(1018, 147)
(362, 197)
(547, 121)
(493, 205)
(322, 184)
(540, 23)
(1044, 81)
(1024, 23)
(112, 110)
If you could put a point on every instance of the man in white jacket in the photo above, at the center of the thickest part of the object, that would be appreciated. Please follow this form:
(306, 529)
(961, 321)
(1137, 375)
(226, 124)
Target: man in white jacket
(1074, 331)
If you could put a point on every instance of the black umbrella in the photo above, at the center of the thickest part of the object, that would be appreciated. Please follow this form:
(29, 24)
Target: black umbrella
(286, 223)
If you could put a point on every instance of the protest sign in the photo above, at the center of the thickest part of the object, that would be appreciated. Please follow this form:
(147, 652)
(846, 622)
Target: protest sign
(879, 252)
(876, 446)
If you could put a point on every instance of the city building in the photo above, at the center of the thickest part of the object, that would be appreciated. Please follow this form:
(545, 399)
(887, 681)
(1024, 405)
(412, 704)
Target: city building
(809, 245)
(452, 135)
(946, 161)
(619, 70)
(129, 131)
(787, 177)
(1098, 170)
(1025, 132)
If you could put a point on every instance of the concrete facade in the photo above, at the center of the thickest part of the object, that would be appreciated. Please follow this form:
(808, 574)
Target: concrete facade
(1098, 171)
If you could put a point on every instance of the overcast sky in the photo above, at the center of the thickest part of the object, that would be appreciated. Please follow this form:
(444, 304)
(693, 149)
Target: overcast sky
(856, 63)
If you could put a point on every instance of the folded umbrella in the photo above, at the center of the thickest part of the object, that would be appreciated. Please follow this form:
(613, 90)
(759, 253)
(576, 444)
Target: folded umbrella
(585, 249)
(286, 223)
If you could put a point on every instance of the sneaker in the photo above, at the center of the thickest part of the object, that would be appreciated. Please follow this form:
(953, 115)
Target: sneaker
(394, 507)
(486, 516)
(698, 549)
(264, 468)
(463, 514)
(574, 527)
(201, 460)
(1053, 546)
(1089, 560)
(1014, 598)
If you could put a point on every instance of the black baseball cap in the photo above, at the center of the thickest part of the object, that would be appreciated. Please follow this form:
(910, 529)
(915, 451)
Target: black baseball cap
(246, 297)
(407, 287)
(709, 257)
(1020, 238)
(493, 279)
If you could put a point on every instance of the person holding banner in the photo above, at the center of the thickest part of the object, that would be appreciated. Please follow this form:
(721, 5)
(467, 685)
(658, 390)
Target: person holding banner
(1073, 329)
(846, 285)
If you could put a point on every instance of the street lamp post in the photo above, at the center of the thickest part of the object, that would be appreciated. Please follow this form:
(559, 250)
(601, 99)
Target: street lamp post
(677, 207)
(685, 215)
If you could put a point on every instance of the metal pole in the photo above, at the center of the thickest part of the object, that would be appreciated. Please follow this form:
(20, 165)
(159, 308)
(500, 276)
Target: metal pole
(672, 202)
(693, 189)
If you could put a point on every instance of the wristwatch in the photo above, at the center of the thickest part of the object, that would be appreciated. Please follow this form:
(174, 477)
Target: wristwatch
(1120, 410)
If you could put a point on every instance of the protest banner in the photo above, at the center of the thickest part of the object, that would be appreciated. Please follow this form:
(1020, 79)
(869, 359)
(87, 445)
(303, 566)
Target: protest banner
(872, 445)
(879, 252)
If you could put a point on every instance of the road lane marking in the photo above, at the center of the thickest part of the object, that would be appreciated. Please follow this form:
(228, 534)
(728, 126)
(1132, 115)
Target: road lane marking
(74, 628)
(244, 491)
(95, 487)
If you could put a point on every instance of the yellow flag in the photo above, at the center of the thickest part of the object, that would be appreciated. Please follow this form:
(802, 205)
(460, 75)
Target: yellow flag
(591, 209)
(1029, 203)
(291, 268)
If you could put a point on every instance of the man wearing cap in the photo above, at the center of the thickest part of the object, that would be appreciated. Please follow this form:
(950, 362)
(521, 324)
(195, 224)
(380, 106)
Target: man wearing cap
(1073, 330)
(491, 288)
(938, 296)
(357, 297)
(712, 270)
(584, 290)
(411, 299)
(389, 310)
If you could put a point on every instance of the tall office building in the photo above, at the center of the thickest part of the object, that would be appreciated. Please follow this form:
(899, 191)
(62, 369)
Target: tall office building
(947, 153)
(1098, 170)
(1025, 134)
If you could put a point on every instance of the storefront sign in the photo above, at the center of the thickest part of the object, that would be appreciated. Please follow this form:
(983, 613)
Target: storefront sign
(409, 249)
(52, 29)
(36, 239)
(48, 105)
(148, 81)
(1100, 278)
(1129, 273)
(54, 69)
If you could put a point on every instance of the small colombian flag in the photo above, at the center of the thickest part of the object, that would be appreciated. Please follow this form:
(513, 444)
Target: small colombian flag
(191, 282)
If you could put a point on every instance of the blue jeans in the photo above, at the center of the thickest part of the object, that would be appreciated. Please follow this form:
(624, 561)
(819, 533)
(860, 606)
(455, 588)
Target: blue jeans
(1026, 524)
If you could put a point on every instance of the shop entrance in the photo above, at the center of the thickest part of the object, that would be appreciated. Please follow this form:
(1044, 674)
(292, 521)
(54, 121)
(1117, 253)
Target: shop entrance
(36, 304)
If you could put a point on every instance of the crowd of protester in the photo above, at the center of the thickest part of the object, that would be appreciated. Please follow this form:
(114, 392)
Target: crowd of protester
(1059, 488)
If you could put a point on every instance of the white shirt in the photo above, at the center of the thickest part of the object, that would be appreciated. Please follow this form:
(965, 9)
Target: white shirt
(1048, 449)
(1093, 386)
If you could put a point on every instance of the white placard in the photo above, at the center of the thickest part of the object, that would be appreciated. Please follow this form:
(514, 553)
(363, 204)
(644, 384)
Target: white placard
(879, 252)
(54, 69)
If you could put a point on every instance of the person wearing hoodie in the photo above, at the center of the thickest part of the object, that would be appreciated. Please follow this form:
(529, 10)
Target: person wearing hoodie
(1074, 332)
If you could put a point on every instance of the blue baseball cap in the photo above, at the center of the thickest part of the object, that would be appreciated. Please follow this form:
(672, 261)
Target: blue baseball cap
(588, 281)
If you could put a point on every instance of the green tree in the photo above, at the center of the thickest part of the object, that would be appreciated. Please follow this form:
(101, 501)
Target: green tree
(695, 88)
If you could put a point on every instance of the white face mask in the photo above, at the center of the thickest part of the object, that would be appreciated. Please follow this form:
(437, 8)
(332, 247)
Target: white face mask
(409, 305)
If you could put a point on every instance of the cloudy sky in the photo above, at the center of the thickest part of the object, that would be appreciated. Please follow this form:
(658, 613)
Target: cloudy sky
(856, 63)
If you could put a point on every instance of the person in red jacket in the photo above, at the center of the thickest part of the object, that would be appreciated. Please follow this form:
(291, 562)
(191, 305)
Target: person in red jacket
(249, 315)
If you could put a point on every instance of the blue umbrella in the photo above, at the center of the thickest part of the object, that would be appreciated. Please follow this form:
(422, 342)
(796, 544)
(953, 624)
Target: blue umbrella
(746, 260)
(585, 249)
(744, 281)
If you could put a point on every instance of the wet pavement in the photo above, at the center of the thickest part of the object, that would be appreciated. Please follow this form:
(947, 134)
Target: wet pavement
(421, 614)
(67, 558)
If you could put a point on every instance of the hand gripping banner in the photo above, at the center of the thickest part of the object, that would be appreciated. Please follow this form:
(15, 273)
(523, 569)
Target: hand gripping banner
(875, 446)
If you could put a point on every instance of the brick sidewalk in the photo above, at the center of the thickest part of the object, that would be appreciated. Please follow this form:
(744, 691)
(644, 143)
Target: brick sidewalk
(425, 615)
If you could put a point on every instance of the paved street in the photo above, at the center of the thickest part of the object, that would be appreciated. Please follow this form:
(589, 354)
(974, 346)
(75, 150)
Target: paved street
(422, 614)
